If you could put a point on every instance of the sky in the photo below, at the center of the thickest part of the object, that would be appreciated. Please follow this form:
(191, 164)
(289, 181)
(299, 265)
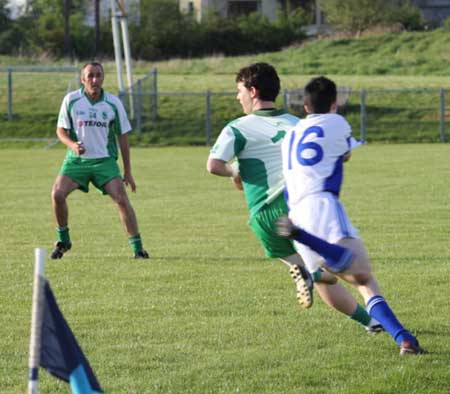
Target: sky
(14, 6)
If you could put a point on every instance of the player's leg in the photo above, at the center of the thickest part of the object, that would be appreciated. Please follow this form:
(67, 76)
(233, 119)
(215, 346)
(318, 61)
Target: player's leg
(116, 190)
(336, 258)
(263, 225)
(303, 280)
(336, 296)
(327, 230)
(62, 187)
(359, 275)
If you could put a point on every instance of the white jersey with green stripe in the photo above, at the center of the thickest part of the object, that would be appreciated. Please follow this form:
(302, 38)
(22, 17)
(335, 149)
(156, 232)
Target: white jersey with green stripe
(94, 123)
(255, 140)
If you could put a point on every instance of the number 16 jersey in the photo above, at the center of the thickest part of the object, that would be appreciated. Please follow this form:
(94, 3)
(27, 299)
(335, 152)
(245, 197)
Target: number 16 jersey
(313, 155)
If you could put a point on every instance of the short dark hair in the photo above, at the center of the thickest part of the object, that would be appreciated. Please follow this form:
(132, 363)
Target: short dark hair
(95, 64)
(320, 94)
(263, 77)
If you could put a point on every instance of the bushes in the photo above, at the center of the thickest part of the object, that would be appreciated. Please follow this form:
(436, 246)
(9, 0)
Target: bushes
(356, 16)
(13, 40)
(166, 33)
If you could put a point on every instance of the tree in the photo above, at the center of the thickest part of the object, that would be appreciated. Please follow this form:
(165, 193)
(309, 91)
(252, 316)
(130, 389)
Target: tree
(52, 24)
(355, 16)
(97, 27)
(5, 21)
(67, 40)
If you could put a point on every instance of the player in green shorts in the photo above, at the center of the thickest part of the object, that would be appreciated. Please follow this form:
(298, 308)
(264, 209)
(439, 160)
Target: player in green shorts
(254, 140)
(90, 123)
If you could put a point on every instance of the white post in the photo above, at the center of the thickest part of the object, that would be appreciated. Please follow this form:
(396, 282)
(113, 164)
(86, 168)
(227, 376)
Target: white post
(36, 319)
(318, 15)
(127, 52)
(116, 41)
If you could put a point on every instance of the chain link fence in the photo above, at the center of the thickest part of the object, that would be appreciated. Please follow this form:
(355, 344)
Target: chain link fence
(30, 99)
(403, 115)
(196, 118)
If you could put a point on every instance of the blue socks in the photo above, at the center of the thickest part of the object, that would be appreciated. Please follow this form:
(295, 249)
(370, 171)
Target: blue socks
(379, 309)
(337, 258)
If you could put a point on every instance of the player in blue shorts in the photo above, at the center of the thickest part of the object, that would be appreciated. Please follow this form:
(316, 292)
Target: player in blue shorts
(255, 141)
(90, 123)
(313, 155)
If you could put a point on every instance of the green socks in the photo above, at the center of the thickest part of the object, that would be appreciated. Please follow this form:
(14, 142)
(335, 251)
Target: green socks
(317, 275)
(63, 234)
(361, 316)
(135, 243)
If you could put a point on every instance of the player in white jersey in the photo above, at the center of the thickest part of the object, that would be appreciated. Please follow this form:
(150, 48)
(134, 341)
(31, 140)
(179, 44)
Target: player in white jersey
(255, 141)
(90, 123)
(313, 156)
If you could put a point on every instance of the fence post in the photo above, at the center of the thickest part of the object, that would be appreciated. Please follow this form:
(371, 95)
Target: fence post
(208, 118)
(442, 94)
(10, 113)
(155, 94)
(139, 107)
(363, 114)
(285, 99)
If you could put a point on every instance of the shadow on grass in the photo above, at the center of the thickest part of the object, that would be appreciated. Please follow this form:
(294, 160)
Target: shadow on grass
(206, 258)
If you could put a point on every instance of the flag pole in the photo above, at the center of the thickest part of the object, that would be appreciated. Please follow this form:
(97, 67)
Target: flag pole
(36, 319)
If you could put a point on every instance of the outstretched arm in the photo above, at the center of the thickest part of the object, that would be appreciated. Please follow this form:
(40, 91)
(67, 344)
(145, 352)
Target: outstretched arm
(125, 151)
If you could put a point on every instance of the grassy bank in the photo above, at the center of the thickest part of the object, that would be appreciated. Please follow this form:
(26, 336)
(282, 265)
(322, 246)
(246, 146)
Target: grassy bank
(391, 61)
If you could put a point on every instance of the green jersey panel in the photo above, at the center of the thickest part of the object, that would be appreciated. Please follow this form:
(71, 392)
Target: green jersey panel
(255, 141)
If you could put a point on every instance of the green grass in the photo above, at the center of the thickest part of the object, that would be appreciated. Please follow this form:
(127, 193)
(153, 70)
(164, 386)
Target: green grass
(409, 53)
(208, 313)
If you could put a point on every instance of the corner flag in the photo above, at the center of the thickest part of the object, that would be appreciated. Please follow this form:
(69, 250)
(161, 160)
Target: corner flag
(60, 353)
(52, 344)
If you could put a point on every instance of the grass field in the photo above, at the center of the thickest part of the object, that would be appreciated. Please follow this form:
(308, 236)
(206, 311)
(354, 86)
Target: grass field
(208, 313)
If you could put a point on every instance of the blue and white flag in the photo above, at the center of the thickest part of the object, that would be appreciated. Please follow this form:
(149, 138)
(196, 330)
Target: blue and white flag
(60, 353)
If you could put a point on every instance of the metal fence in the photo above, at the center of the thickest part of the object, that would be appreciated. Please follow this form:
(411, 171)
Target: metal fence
(26, 113)
(141, 100)
(196, 118)
(24, 72)
(395, 115)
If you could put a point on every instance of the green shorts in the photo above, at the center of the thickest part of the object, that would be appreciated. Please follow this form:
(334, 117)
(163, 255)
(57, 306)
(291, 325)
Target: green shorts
(263, 224)
(97, 171)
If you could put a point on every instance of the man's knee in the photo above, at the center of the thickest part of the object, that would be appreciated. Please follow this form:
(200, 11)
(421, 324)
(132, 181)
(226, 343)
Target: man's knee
(363, 279)
(58, 194)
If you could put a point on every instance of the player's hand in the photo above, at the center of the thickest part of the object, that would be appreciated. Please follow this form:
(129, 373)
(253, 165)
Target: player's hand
(285, 228)
(129, 181)
(237, 182)
(78, 148)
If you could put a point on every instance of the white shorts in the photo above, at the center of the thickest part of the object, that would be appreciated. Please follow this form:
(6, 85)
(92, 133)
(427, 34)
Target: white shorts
(322, 215)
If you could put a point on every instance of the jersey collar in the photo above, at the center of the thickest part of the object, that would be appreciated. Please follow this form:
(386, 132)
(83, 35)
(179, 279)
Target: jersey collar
(92, 102)
(269, 112)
